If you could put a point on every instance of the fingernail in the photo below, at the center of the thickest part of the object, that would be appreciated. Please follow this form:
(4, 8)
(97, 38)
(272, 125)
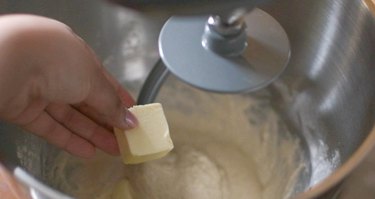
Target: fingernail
(130, 120)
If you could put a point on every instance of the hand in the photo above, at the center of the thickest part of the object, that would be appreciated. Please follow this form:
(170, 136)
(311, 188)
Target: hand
(52, 85)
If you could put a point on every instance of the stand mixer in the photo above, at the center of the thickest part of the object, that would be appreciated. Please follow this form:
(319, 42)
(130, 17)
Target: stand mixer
(328, 93)
(237, 48)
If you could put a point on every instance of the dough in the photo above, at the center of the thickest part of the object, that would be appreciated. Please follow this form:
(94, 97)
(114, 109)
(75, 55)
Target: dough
(226, 146)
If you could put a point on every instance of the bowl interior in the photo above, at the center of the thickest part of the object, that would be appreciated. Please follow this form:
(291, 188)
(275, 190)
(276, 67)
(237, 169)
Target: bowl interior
(325, 98)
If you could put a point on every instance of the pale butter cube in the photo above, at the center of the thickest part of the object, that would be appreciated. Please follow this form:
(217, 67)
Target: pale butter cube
(150, 140)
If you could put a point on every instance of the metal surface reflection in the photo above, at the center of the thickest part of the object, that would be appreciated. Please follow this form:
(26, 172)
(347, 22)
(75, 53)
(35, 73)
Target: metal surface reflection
(327, 92)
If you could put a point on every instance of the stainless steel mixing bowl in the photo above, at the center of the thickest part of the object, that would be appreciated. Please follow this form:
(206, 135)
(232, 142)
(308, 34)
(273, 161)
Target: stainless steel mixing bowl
(327, 92)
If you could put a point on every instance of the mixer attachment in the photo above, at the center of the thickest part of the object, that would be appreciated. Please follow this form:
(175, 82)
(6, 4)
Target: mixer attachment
(239, 52)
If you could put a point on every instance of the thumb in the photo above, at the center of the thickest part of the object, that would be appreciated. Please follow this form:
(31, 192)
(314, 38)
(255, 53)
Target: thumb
(107, 99)
(104, 99)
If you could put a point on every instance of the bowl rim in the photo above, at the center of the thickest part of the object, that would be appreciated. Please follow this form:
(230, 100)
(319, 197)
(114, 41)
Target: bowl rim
(343, 171)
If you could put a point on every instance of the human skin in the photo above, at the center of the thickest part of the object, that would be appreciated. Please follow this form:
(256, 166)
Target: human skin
(52, 85)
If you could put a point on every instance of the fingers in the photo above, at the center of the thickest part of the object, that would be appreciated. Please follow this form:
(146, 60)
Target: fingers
(65, 70)
(106, 96)
(84, 127)
(107, 104)
(123, 94)
(46, 127)
(69, 70)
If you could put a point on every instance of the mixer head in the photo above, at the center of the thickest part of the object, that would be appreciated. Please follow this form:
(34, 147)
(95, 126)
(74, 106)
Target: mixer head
(238, 48)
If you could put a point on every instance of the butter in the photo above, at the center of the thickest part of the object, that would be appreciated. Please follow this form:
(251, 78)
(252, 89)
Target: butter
(149, 140)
